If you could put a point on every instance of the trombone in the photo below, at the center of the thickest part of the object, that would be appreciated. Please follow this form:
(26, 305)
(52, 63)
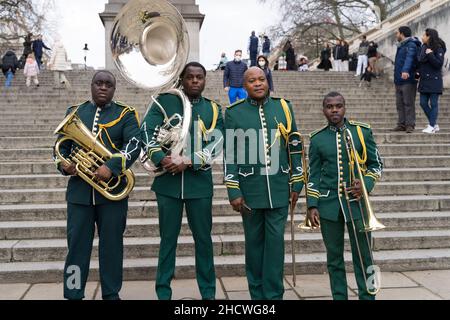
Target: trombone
(306, 224)
(372, 223)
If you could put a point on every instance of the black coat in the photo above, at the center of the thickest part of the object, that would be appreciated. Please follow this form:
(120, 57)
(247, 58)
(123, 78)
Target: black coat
(430, 70)
(9, 62)
(325, 62)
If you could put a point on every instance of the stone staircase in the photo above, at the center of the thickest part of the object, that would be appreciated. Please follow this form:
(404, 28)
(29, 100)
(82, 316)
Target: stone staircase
(412, 200)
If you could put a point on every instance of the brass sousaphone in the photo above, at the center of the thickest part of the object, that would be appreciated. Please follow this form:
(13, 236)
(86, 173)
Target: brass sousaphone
(150, 47)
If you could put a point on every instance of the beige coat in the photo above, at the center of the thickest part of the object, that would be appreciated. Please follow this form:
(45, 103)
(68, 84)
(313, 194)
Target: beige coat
(58, 61)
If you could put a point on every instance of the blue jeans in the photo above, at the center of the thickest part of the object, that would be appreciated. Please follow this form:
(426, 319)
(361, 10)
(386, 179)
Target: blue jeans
(9, 78)
(430, 105)
(236, 94)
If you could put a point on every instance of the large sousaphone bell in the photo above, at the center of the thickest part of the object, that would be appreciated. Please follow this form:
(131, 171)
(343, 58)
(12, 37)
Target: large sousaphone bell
(150, 47)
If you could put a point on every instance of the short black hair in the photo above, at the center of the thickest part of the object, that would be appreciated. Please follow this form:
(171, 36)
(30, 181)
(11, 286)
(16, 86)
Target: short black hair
(192, 64)
(332, 94)
(406, 31)
(238, 50)
(104, 71)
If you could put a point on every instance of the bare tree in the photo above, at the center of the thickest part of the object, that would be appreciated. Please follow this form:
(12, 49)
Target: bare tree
(311, 23)
(20, 17)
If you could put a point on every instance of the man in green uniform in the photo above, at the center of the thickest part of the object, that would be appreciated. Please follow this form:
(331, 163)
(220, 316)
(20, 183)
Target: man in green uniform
(264, 127)
(329, 174)
(188, 179)
(117, 127)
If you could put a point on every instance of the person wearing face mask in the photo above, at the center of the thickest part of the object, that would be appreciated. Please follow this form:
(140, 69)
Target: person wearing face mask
(263, 63)
(233, 78)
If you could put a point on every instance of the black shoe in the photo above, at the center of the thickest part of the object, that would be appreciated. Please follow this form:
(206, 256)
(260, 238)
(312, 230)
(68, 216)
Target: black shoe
(409, 129)
(399, 128)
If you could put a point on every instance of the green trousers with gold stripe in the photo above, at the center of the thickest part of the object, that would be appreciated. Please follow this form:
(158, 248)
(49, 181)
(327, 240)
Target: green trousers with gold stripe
(264, 252)
(199, 215)
(111, 220)
(333, 237)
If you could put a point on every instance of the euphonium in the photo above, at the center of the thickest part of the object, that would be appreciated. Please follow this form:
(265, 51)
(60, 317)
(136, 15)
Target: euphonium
(88, 156)
(150, 46)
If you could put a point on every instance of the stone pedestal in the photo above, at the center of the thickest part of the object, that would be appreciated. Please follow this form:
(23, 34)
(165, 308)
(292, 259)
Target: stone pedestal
(188, 9)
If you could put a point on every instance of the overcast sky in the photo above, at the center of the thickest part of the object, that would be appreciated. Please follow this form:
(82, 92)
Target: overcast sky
(227, 26)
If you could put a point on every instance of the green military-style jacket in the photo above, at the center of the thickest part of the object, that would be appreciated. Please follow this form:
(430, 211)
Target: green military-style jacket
(263, 160)
(206, 143)
(329, 168)
(118, 125)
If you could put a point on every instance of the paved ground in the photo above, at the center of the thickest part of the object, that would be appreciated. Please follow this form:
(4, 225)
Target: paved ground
(418, 285)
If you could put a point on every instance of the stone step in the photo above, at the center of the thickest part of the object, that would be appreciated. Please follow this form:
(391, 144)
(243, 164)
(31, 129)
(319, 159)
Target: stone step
(430, 149)
(14, 223)
(223, 245)
(398, 175)
(49, 140)
(145, 269)
(316, 118)
(44, 188)
(38, 168)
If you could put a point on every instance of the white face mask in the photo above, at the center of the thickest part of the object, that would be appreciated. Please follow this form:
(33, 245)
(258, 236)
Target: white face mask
(237, 58)
(262, 64)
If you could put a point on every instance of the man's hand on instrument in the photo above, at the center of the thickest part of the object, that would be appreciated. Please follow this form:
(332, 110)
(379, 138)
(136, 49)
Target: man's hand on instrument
(103, 173)
(70, 169)
(313, 217)
(176, 165)
(237, 204)
(356, 189)
(294, 198)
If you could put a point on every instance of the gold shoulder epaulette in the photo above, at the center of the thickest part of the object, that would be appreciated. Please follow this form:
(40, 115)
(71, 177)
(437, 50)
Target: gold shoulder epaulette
(212, 101)
(361, 124)
(279, 98)
(77, 105)
(312, 134)
(235, 104)
(119, 103)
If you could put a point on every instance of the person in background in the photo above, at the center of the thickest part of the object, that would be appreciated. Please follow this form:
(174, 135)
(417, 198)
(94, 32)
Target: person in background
(266, 47)
(431, 60)
(26, 50)
(31, 70)
(290, 57)
(223, 62)
(367, 76)
(338, 55)
(325, 55)
(404, 79)
(253, 48)
(282, 64)
(303, 65)
(38, 48)
(372, 54)
(346, 56)
(59, 64)
(233, 78)
(10, 63)
(263, 63)
(362, 56)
